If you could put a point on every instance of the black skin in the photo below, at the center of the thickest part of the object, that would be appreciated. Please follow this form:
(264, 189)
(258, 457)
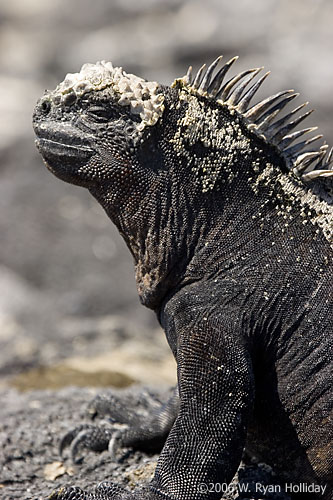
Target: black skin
(248, 323)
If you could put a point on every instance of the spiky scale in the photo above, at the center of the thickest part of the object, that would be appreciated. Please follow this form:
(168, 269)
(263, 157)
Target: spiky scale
(266, 119)
(283, 131)
(209, 73)
(218, 79)
(327, 159)
(237, 92)
(198, 77)
(189, 76)
(271, 112)
(289, 138)
(277, 126)
(304, 160)
(246, 99)
(258, 110)
(226, 93)
(320, 162)
(315, 174)
(292, 151)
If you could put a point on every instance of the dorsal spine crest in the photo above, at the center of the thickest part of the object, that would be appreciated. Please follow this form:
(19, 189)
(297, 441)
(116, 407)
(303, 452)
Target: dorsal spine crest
(305, 163)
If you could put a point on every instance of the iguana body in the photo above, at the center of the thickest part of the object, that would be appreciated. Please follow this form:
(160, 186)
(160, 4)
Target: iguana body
(230, 227)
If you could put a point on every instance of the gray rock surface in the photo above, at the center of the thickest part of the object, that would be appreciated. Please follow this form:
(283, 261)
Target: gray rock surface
(68, 304)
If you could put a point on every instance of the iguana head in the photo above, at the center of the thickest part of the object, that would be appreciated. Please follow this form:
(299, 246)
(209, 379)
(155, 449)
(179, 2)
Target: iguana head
(164, 161)
(88, 127)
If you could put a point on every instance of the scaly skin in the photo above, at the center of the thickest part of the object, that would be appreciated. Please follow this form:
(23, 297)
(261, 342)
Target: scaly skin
(233, 253)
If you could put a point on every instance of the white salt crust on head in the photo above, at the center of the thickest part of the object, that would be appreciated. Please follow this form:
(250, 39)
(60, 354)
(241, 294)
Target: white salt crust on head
(141, 96)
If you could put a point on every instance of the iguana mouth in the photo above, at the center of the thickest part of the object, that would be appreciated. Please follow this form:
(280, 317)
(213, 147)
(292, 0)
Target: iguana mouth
(62, 140)
(62, 149)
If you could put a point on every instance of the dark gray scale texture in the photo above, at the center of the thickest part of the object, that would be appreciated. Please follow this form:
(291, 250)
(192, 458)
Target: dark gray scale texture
(239, 275)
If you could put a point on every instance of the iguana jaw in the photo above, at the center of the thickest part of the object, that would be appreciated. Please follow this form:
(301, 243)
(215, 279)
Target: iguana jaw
(65, 150)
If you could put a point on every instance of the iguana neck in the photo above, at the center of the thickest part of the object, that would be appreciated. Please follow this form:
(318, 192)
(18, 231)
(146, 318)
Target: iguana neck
(167, 233)
(160, 242)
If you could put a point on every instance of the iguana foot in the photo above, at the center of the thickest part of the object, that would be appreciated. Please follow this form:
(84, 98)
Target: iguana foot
(104, 491)
(146, 428)
(101, 436)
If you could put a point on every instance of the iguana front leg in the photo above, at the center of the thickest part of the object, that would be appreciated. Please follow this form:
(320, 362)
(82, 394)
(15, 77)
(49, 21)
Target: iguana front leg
(216, 385)
(205, 444)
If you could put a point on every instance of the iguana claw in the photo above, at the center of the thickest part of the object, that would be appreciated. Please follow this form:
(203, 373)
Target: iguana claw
(91, 437)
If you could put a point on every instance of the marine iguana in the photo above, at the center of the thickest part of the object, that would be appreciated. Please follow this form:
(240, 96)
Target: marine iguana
(230, 226)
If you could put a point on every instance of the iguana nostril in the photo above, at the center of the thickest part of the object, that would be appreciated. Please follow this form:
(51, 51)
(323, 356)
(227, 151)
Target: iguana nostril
(45, 106)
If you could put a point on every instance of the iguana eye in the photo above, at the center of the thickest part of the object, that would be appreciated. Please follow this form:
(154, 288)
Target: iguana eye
(99, 113)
